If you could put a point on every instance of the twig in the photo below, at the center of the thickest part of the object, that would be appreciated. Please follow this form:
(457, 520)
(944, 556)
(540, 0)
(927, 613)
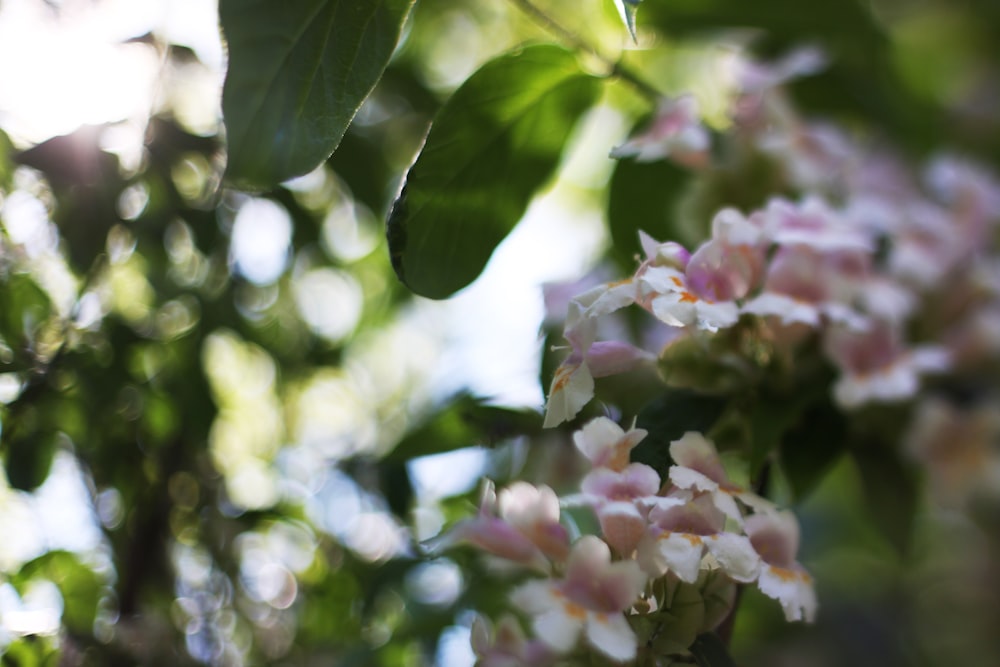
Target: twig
(615, 69)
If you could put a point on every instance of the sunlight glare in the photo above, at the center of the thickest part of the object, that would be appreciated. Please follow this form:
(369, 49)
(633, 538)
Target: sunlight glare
(66, 68)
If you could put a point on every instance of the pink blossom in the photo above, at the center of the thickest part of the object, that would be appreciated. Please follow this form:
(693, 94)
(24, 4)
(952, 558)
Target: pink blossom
(757, 105)
(775, 536)
(971, 194)
(876, 366)
(754, 77)
(675, 132)
(680, 536)
(606, 444)
(815, 224)
(699, 469)
(522, 526)
(506, 645)
(958, 449)
(591, 598)
(622, 500)
(573, 382)
(804, 286)
(815, 156)
(674, 302)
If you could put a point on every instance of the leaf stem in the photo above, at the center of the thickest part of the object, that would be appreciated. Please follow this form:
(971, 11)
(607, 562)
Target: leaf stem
(615, 69)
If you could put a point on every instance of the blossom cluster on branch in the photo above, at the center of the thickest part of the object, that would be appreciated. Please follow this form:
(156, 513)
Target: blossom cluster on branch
(860, 258)
(855, 282)
(619, 589)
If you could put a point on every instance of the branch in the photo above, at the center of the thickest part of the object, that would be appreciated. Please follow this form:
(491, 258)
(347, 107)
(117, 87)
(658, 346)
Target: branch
(615, 69)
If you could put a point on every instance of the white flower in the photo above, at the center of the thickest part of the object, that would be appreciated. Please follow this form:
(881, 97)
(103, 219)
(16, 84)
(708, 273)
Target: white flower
(521, 526)
(673, 302)
(814, 224)
(622, 500)
(606, 444)
(675, 132)
(775, 536)
(573, 382)
(699, 469)
(875, 365)
(591, 599)
(680, 537)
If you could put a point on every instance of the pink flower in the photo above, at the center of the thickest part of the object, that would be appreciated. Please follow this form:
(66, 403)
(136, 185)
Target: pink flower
(674, 302)
(698, 469)
(573, 382)
(622, 500)
(757, 104)
(958, 449)
(815, 224)
(522, 526)
(803, 286)
(681, 535)
(775, 536)
(875, 365)
(972, 195)
(755, 77)
(815, 156)
(534, 512)
(591, 599)
(606, 444)
(506, 645)
(675, 132)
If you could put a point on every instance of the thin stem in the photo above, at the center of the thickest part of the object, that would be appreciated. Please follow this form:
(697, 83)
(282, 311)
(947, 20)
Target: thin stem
(615, 69)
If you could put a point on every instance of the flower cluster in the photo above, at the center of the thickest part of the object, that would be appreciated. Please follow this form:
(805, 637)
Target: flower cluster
(693, 528)
(891, 272)
(857, 277)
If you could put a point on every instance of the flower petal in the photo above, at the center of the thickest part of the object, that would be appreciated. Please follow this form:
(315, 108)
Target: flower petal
(736, 556)
(680, 553)
(612, 636)
(572, 388)
(559, 628)
(793, 588)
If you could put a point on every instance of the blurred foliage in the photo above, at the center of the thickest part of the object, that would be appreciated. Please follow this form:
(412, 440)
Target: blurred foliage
(241, 437)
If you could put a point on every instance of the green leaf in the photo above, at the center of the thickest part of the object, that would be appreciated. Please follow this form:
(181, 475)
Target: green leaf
(79, 586)
(491, 147)
(6, 167)
(773, 414)
(298, 72)
(891, 491)
(680, 617)
(710, 651)
(644, 196)
(668, 418)
(812, 446)
(30, 651)
(466, 422)
(29, 438)
(24, 309)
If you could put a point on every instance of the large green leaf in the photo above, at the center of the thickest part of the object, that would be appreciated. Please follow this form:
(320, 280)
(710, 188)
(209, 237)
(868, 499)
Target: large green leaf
(493, 144)
(298, 72)
(810, 448)
(891, 490)
(668, 418)
(710, 651)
